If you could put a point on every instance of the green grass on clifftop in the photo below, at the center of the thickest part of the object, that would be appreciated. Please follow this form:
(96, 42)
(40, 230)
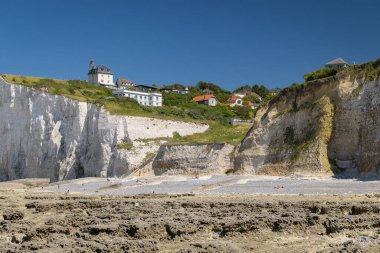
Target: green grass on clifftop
(215, 134)
(216, 117)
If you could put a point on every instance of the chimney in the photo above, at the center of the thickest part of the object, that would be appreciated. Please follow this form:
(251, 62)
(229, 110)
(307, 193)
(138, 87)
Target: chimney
(92, 64)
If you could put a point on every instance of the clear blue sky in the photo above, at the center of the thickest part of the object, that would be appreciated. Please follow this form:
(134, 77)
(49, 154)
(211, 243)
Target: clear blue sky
(230, 43)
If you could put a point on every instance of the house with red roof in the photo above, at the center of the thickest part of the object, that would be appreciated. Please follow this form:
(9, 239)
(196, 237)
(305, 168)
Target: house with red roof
(252, 105)
(235, 100)
(209, 100)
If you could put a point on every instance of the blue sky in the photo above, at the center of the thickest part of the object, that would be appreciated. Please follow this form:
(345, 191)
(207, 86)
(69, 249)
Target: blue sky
(230, 43)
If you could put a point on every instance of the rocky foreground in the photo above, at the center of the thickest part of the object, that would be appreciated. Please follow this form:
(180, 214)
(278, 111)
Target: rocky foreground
(57, 222)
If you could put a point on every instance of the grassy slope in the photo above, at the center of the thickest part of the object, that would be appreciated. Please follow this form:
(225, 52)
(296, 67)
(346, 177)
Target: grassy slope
(94, 94)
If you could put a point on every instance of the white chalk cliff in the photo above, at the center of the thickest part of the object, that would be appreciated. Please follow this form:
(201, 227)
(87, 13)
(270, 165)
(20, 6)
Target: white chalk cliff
(44, 135)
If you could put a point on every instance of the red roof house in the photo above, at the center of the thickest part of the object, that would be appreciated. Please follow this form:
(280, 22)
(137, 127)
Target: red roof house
(206, 100)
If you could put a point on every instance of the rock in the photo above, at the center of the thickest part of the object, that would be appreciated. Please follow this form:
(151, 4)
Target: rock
(18, 238)
(186, 223)
(193, 159)
(11, 214)
(212, 247)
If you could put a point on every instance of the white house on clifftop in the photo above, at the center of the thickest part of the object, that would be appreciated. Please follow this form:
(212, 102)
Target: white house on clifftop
(337, 64)
(100, 75)
(143, 98)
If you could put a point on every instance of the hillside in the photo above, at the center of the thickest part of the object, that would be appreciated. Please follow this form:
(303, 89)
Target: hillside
(328, 126)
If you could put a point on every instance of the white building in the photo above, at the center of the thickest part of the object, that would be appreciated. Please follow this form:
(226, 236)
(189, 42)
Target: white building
(337, 64)
(100, 76)
(143, 98)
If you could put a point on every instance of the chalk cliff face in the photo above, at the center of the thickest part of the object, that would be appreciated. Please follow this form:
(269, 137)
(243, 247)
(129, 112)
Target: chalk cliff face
(190, 159)
(44, 135)
(331, 126)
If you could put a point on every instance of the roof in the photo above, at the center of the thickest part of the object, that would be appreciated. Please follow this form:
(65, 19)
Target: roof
(337, 61)
(174, 89)
(202, 98)
(124, 80)
(146, 87)
(254, 94)
(233, 98)
(100, 69)
(136, 92)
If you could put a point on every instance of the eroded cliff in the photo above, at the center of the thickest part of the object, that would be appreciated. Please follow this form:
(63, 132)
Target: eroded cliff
(329, 126)
(193, 159)
(44, 135)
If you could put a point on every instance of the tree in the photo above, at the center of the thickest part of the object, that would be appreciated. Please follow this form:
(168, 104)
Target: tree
(261, 90)
(220, 94)
(245, 87)
(175, 86)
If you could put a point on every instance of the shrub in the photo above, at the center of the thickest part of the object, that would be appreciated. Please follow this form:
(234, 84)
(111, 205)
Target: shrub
(196, 114)
(320, 73)
(125, 145)
(77, 84)
(127, 100)
(176, 136)
(295, 85)
(243, 112)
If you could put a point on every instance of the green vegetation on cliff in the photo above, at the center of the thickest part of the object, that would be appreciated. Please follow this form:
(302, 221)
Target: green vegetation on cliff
(366, 71)
(215, 134)
(320, 73)
(176, 106)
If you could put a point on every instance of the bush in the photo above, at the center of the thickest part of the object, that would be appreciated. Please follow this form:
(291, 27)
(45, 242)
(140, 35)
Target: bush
(295, 85)
(125, 145)
(196, 114)
(171, 111)
(243, 112)
(320, 73)
(176, 136)
(77, 84)
(127, 100)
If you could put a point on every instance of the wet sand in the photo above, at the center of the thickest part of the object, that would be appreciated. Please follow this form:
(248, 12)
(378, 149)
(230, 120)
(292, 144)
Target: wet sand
(216, 185)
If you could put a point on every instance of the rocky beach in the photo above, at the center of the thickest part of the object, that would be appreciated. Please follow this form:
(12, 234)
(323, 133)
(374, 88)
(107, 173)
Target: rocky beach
(33, 217)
